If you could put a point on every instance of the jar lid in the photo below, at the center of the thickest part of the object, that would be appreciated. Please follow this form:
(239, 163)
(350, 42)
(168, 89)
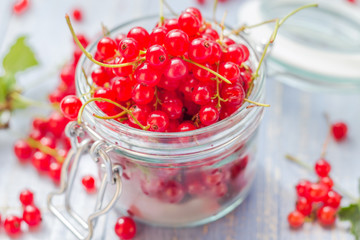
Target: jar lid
(317, 48)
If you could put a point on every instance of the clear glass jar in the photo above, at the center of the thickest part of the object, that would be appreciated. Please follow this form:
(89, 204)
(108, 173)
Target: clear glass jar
(179, 179)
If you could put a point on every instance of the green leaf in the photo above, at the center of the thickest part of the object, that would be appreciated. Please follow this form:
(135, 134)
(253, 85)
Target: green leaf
(351, 213)
(19, 58)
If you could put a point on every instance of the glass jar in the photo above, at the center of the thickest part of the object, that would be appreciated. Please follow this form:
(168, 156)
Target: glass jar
(174, 179)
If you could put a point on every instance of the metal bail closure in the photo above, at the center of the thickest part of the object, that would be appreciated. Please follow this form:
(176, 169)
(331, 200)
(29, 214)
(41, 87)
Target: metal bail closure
(84, 229)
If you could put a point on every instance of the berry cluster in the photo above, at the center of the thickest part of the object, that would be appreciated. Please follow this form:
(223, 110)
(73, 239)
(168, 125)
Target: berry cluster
(181, 76)
(31, 215)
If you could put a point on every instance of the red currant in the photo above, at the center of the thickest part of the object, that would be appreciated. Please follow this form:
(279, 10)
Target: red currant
(208, 115)
(173, 192)
(122, 87)
(339, 131)
(55, 171)
(230, 71)
(322, 168)
(177, 42)
(67, 74)
(77, 14)
(157, 56)
(32, 215)
(12, 225)
(318, 192)
(142, 94)
(304, 206)
(326, 215)
(57, 123)
(176, 70)
(140, 35)
(296, 219)
(106, 93)
(41, 161)
(196, 12)
(22, 150)
(234, 94)
(171, 24)
(100, 76)
(333, 199)
(140, 112)
(158, 35)
(89, 183)
(158, 121)
(327, 181)
(173, 108)
(144, 74)
(70, 106)
(20, 6)
(202, 94)
(189, 23)
(106, 47)
(125, 228)
(122, 71)
(303, 188)
(129, 48)
(186, 126)
(26, 197)
(199, 50)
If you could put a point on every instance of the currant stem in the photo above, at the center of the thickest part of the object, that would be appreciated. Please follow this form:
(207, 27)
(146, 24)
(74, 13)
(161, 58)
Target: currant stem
(274, 34)
(111, 117)
(310, 169)
(89, 56)
(243, 27)
(114, 103)
(161, 12)
(328, 137)
(207, 69)
(222, 26)
(256, 103)
(45, 149)
(170, 9)
(214, 11)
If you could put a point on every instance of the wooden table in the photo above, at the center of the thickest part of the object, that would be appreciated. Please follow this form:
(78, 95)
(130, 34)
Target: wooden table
(294, 124)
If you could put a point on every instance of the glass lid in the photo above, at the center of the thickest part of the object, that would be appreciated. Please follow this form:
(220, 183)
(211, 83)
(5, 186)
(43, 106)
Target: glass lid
(316, 49)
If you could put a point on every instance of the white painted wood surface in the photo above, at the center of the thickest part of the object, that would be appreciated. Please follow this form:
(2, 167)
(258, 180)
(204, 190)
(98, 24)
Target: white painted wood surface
(294, 124)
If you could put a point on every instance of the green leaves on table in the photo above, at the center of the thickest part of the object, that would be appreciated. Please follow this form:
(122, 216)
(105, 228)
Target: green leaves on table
(19, 58)
(352, 213)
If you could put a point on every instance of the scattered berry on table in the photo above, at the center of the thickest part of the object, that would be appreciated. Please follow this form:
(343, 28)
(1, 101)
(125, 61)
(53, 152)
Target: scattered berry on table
(125, 228)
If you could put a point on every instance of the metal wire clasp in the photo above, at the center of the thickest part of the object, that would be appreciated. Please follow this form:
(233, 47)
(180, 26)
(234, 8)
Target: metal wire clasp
(84, 229)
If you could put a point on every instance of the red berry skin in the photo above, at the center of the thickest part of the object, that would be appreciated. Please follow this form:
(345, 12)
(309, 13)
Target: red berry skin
(32, 215)
(49, 142)
(41, 161)
(195, 12)
(176, 42)
(304, 206)
(187, 86)
(219, 190)
(157, 56)
(186, 126)
(122, 71)
(173, 108)
(122, 88)
(327, 181)
(106, 47)
(296, 219)
(234, 94)
(213, 33)
(158, 121)
(158, 35)
(26, 197)
(67, 74)
(106, 93)
(234, 53)
(318, 192)
(228, 41)
(333, 199)
(129, 48)
(89, 184)
(55, 172)
(144, 74)
(77, 14)
(326, 216)
(189, 23)
(202, 94)
(209, 115)
(339, 131)
(230, 71)
(20, 6)
(12, 225)
(57, 123)
(140, 112)
(125, 228)
(100, 76)
(142, 94)
(70, 107)
(202, 74)
(22, 150)
(176, 70)
(199, 50)
(140, 35)
(322, 168)
(303, 188)
(216, 53)
(171, 24)
(173, 192)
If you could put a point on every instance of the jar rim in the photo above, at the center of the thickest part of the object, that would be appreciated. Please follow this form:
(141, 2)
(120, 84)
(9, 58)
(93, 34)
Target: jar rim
(93, 109)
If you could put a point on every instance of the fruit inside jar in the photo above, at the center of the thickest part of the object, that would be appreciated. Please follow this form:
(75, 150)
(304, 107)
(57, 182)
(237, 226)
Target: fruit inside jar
(187, 158)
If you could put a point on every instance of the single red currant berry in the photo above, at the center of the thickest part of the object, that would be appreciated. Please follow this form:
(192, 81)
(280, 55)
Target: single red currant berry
(304, 206)
(173, 108)
(77, 14)
(83, 40)
(122, 71)
(228, 41)
(158, 121)
(189, 23)
(171, 24)
(32, 215)
(230, 71)
(89, 183)
(142, 94)
(100, 76)
(177, 42)
(22, 150)
(146, 75)
(20, 6)
(173, 192)
(49, 142)
(26, 197)
(208, 115)
(233, 93)
(339, 131)
(129, 48)
(158, 35)
(219, 190)
(195, 12)
(67, 74)
(122, 87)
(40, 124)
(213, 33)
(41, 161)
(55, 171)
(125, 228)
(202, 94)
(186, 126)
(213, 178)
(202, 74)
(70, 106)
(199, 50)
(176, 70)
(105, 93)
(326, 215)
(140, 35)
(327, 181)
(333, 199)
(157, 56)
(216, 53)
(317, 192)
(140, 112)
(234, 53)
(187, 86)
(12, 225)
(106, 47)
(322, 168)
(57, 123)
(296, 219)
(303, 188)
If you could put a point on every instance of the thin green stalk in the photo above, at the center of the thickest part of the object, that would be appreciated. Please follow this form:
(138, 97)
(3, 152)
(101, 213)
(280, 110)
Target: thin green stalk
(257, 103)
(170, 9)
